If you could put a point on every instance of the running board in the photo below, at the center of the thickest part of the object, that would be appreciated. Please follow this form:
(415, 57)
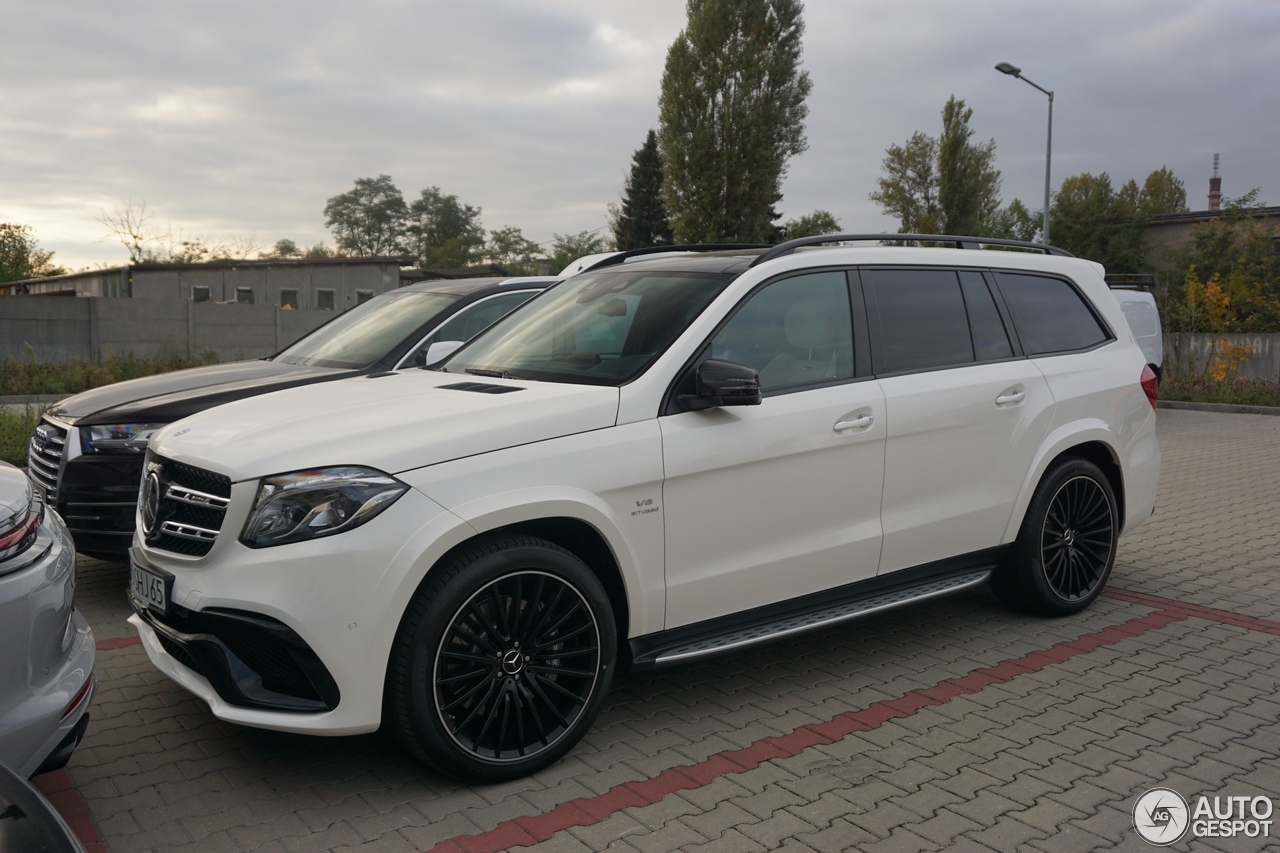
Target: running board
(682, 645)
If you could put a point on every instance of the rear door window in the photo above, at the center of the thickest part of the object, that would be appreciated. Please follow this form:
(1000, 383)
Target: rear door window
(1050, 314)
(990, 340)
(922, 319)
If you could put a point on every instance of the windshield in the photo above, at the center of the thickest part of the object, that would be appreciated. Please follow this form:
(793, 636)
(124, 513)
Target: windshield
(367, 333)
(601, 329)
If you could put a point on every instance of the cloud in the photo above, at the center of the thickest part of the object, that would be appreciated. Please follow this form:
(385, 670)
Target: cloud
(243, 117)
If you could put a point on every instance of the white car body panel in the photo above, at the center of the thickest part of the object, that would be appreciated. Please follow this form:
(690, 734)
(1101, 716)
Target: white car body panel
(955, 457)
(682, 501)
(729, 470)
(393, 423)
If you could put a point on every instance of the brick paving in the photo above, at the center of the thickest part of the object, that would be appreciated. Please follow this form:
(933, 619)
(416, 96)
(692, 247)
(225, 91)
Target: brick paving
(953, 725)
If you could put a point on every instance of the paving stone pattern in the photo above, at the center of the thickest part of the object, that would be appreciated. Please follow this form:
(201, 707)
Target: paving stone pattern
(1081, 716)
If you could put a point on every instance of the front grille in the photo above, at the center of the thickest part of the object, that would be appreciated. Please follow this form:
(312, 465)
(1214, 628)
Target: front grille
(44, 458)
(190, 506)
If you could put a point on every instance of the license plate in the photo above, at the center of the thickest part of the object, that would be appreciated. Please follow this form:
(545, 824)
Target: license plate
(150, 588)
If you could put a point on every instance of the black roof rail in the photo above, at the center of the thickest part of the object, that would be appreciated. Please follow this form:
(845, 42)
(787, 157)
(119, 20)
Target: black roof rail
(961, 243)
(622, 257)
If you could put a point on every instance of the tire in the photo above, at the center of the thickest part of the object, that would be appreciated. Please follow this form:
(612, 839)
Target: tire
(502, 660)
(1067, 544)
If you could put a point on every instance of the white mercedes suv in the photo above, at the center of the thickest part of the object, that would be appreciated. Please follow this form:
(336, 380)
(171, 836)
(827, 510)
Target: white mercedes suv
(666, 456)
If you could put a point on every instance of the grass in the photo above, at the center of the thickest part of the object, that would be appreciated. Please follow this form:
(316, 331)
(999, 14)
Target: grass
(15, 432)
(28, 377)
(1234, 391)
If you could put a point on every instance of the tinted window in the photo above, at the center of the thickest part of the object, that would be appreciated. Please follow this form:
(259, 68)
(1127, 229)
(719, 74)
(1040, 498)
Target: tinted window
(469, 322)
(367, 332)
(1051, 316)
(794, 332)
(923, 323)
(989, 337)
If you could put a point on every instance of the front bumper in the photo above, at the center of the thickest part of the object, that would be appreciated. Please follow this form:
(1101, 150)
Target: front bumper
(47, 681)
(335, 600)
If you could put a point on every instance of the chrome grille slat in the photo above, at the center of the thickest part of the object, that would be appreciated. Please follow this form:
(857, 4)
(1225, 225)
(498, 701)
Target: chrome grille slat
(44, 457)
(189, 505)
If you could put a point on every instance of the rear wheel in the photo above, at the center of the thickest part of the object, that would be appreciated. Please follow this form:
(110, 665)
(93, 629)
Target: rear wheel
(1067, 544)
(502, 661)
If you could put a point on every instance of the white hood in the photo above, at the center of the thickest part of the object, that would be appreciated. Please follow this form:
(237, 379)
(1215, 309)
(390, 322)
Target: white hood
(393, 422)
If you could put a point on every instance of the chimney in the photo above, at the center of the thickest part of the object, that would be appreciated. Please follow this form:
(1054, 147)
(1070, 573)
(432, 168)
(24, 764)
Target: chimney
(1215, 187)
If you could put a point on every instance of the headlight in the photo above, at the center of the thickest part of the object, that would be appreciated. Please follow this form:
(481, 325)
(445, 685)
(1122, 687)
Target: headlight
(127, 437)
(319, 502)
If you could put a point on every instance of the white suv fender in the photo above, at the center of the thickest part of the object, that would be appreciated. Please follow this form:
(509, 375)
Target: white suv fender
(1054, 445)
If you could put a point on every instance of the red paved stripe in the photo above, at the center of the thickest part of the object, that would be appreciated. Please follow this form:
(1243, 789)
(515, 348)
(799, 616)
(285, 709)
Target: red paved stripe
(1253, 623)
(118, 643)
(59, 790)
(587, 811)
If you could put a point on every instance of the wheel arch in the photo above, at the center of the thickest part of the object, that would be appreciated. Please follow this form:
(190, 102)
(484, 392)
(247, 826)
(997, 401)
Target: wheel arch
(1094, 442)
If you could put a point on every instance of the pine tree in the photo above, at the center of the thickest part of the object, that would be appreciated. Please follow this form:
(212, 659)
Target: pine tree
(642, 220)
(732, 113)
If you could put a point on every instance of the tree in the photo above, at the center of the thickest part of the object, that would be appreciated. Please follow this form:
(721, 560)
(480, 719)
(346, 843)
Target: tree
(570, 247)
(509, 247)
(732, 113)
(368, 219)
(146, 243)
(21, 257)
(1014, 222)
(816, 223)
(1090, 220)
(944, 185)
(285, 248)
(968, 182)
(442, 231)
(909, 188)
(642, 220)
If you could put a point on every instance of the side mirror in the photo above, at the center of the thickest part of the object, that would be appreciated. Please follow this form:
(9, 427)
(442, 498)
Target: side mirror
(723, 383)
(441, 350)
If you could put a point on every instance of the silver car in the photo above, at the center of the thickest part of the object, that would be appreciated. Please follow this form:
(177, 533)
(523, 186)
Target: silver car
(46, 646)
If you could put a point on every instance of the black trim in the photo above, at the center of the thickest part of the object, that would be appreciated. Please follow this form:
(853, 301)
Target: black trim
(226, 645)
(961, 243)
(647, 649)
(61, 754)
(862, 367)
(482, 388)
(623, 257)
(1006, 316)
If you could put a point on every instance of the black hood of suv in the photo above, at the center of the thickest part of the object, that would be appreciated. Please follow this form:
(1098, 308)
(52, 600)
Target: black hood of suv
(168, 397)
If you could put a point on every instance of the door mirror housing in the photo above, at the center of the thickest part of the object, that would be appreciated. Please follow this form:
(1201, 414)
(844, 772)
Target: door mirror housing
(441, 350)
(723, 383)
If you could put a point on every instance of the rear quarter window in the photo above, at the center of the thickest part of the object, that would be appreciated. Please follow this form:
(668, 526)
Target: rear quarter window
(1050, 314)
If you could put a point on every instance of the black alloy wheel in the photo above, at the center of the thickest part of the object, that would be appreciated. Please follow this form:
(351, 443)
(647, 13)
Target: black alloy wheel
(517, 665)
(1078, 538)
(1066, 546)
(502, 661)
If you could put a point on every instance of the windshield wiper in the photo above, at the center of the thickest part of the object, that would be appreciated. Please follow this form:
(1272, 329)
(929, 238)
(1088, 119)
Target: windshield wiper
(496, 374)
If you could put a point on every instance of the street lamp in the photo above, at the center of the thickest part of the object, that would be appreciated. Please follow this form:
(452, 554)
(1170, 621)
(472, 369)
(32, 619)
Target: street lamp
(1015, 71)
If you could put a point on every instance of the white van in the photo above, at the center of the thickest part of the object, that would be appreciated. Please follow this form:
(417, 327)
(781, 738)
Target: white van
(1133, 292)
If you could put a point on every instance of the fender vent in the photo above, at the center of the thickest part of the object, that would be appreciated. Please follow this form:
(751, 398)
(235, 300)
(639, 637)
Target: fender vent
(481, 388)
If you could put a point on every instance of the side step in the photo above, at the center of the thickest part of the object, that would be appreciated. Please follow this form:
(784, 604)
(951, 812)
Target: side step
(681, 645)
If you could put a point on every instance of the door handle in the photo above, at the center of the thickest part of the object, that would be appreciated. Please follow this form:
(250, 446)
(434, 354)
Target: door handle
(855, 423)
(1011, 397)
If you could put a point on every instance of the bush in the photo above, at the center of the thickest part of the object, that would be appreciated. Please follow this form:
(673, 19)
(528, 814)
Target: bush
(15, 432)
(41, 377)
(1232, 390)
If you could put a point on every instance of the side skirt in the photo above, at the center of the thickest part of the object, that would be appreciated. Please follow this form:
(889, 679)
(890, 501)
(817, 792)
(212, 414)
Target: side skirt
(813, 611)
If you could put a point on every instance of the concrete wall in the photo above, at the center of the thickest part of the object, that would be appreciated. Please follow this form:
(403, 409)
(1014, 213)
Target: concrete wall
(91, 329)
(1194, 351)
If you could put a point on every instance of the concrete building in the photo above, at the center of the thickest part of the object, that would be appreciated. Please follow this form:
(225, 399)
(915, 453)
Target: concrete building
(325, 284)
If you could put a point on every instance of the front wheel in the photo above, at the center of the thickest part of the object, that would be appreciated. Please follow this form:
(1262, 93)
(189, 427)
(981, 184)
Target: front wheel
(1067, 544)
(502, 661)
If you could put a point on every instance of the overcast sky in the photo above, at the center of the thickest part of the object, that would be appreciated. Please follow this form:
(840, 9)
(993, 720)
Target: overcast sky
(236, 117)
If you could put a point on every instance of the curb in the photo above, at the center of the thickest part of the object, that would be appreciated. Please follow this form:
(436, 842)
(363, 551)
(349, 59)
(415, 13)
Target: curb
(1229, 408)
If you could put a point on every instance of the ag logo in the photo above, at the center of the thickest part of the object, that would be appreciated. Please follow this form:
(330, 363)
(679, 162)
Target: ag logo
(1161, 816)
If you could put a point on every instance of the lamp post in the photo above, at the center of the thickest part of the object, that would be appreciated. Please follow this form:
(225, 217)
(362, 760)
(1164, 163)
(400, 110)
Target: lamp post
(1015, 71)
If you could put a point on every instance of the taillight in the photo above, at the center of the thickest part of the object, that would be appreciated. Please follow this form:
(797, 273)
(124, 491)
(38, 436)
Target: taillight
(1150, 385)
